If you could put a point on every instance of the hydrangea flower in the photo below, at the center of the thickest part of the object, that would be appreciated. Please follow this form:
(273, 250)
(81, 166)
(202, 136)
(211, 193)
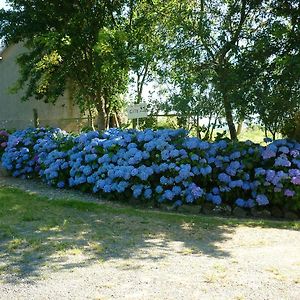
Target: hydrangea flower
(162, 165)
(262, 199)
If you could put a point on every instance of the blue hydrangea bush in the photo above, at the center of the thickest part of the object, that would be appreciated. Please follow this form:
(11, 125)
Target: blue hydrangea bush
(163, 166)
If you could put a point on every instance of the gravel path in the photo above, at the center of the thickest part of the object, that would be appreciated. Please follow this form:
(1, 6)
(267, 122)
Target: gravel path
(247, 263)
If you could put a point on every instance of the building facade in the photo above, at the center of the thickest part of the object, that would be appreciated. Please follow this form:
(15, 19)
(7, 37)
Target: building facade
(15, 114)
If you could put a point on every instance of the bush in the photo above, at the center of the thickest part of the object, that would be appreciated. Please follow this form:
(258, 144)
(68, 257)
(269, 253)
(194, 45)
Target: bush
(3, 141)
(160, 166)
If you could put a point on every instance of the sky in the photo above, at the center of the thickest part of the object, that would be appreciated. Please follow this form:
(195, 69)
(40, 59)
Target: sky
(2, 3)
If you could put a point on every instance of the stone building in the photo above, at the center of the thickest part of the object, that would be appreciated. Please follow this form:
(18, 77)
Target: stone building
(15, 114)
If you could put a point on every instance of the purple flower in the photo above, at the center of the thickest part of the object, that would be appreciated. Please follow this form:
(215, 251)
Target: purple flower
(270, 175)
(268, 153)
(295, 180)
(282, 161)
(295, 153)
(289, 193)
(4, 133)
(294, 172)
(284, 149)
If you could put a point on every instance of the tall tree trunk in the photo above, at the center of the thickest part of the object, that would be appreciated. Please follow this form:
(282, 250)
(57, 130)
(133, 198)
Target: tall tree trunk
(198, 127)
(213, 127)
(229, 117)
(90, 117)
(119, 118)
(206, 137)
(102, 116)
(240, 127)
(108, 118)
(116, 120)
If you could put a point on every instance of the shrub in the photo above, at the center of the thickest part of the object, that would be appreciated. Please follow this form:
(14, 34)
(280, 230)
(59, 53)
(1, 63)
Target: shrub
(160, 166)
(3, 141)
(27, 149)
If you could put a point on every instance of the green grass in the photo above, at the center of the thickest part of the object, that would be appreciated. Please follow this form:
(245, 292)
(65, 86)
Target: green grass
(36, 232)
(255, 134)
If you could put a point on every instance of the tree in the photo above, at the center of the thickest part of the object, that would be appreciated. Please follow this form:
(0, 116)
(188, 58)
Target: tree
(204, 40)
(270, 68)
(81, 43)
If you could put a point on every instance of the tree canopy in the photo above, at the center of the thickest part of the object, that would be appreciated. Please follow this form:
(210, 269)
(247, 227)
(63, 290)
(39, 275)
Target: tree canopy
(232, 59)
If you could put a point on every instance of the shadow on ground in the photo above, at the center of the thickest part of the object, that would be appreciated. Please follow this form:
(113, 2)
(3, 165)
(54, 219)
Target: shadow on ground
(37, 235)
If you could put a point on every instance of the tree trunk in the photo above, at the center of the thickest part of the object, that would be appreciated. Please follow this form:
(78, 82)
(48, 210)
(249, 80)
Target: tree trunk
(102, 117)
(116, 120)
(90, 117)
(206, 137)
(198, 127)
(108, 120)
(229, 117)
(266, 131)
(240, 127)
(213, 128)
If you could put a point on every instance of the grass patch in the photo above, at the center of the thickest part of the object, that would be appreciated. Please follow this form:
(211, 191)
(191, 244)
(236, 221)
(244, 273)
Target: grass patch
(36, 232)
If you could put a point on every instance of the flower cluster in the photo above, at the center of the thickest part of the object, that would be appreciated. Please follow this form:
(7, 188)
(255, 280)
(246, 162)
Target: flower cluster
(161, 166)
(27, 150)
(3, 140)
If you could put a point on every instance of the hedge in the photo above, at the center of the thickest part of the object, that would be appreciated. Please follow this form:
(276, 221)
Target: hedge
(163, 166)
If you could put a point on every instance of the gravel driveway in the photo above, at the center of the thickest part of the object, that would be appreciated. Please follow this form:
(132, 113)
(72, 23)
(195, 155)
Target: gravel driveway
(246, 263)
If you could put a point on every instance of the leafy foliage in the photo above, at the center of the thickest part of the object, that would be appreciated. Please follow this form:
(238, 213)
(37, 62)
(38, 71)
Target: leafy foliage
(160, 166)
(234, 60)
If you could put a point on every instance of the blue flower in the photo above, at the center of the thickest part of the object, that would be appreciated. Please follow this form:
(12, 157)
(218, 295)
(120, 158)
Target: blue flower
(282, 161)
(159, 189)
(176, 190)
(169, 195)
(262, 199)
(216, 199)
(137, 190)
(240, 202)
(224, 178)
(61, 184)
(235, 155)
(268, 153)
(148, 193)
